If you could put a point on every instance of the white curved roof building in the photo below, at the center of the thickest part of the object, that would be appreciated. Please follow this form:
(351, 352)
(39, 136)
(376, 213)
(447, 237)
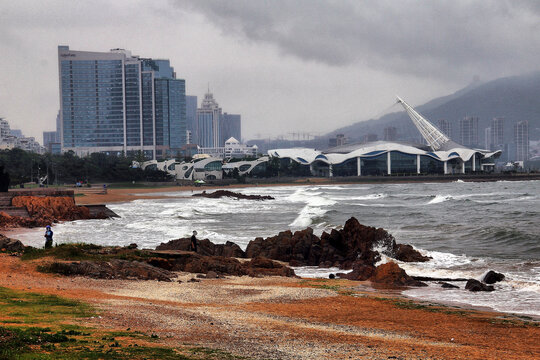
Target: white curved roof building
(441, 156)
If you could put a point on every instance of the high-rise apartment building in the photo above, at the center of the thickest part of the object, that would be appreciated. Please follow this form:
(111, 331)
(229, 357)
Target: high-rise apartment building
(468, 131)
(208, 122)
(497, 133)
(191, 117)
(230, 127)
(115, 102)
(445, 126)
(390, 133)
(487, 138)
(521, 140)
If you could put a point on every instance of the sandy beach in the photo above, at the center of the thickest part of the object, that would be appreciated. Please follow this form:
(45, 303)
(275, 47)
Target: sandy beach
(284, 318)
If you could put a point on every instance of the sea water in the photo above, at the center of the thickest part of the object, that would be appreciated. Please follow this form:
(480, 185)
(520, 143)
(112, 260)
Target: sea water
(467, 228)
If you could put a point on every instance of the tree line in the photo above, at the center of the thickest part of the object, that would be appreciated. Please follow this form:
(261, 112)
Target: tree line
(23, 167)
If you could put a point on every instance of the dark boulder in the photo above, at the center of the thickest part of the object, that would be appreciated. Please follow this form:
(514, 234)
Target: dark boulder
(475, 285)
(406, 253)
(391, 275)
(10, 245)
(492, 277)
(446, 285)
(360, 272)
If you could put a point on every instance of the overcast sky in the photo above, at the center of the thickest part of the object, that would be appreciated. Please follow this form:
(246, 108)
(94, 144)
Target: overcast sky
(285, 66)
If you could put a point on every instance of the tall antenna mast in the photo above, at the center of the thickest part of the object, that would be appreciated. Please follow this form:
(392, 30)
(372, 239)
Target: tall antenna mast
(434, 137)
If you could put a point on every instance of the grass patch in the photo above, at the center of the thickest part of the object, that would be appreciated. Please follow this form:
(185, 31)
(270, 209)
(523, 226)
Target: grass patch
(23, 335)
(84, 251)
(33, 308)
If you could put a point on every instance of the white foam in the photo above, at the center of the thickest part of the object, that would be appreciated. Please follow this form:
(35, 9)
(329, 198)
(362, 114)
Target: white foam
(439, 199)
(307, 215)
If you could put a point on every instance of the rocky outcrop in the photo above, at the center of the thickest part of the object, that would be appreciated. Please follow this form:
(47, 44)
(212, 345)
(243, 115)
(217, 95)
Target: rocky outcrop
(391, 275)
(114, 269)
(205, 247)
(475, 285)
(226, 193)
(10, 245)
(492, 277)
(196, 263)
(45, 210)
(355, 242)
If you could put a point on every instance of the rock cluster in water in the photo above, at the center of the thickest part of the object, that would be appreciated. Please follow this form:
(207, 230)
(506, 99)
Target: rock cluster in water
(226, 193)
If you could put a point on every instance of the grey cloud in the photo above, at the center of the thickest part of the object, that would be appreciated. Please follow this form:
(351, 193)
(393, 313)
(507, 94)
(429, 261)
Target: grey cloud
(434, 38)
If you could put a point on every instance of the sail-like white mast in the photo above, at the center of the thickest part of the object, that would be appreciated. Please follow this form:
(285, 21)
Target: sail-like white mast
(434, 137)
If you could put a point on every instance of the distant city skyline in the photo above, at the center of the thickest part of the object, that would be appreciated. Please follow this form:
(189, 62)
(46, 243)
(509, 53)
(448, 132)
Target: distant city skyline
(336, 64)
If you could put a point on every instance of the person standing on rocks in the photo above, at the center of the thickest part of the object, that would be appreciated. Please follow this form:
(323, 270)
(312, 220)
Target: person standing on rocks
(193, 246)
(48, 237)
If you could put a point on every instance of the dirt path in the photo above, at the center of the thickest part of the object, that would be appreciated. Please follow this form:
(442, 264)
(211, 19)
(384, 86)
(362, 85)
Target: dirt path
(280, 318)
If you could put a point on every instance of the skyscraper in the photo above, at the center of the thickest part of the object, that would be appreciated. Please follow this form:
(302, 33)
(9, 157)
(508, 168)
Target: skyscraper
(468, 131)
(191, 116)
(208, 122)
(115, 102)
(230, 126)
(487, 138)
(521, 140)
(497, 133)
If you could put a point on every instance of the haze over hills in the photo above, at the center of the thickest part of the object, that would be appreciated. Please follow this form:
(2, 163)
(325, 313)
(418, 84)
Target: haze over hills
(514, 98)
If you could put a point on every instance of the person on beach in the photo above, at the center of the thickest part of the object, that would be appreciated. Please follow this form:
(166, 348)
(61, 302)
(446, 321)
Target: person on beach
(193, 246)
(48, 237)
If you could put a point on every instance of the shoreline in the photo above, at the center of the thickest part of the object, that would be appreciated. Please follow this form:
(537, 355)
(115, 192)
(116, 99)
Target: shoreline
(135, 193)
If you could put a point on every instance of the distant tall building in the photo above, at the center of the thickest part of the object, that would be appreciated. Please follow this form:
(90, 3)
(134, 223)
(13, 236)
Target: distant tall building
(487, 138)
(208, 119)
(230, 127)
(369, 138)
(521, 140)
(390, 133)
(115, 102)
(16, 132)
(338, 140)
(468, 131)
(497, 133)
(445, 126)
(191, 116)
(49, 137)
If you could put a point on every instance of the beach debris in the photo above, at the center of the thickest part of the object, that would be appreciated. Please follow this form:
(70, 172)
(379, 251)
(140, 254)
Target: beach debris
(475, 286)
(226, 193)
(492, 277)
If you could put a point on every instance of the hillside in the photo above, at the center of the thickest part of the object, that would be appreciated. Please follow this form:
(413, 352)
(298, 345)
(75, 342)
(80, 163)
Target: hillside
(514, 98)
